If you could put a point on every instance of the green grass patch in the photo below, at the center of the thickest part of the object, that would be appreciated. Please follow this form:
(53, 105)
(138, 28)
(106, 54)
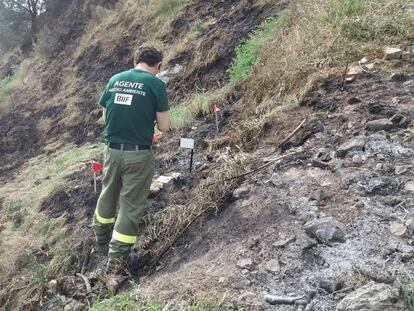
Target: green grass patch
(247, 53)
(198, 105)
(125, 302)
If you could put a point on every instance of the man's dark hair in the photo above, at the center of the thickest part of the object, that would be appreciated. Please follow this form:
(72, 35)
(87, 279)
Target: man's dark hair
(148, 55)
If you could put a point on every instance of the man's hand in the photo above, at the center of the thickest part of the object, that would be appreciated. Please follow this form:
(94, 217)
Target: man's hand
(163, 121)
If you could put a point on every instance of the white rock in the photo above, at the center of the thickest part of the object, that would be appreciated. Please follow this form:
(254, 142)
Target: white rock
(401, 169)
(273, 266)
(363, 61)
(398, 229)
(167, 75)
(156, 187)
(409, 186)
(241, 192)
(392, 53)
(354, 70)
(53, 286)
(245, 263)
(167, 179)
(370, 66)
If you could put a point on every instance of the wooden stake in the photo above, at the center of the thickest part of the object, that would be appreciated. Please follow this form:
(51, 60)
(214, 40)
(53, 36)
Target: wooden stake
(94, 181)
(191, 160)
(217, 121)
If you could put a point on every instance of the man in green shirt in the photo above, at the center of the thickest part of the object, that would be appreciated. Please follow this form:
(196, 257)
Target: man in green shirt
(132, 101)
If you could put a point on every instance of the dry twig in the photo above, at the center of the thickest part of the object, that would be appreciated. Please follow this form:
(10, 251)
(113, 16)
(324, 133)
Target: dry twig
(292, 134)
(86, 281)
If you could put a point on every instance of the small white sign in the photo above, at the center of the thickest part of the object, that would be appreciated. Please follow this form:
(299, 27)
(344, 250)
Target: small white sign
(187, 143)
(123, 99)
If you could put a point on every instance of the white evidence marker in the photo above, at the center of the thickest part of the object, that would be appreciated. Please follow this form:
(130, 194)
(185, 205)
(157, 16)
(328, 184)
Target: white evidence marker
(187, 143)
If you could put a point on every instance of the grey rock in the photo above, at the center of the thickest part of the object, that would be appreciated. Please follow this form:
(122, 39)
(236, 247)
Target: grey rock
(320, 164)
(379, 125)
(326, 230)
(245, 263)
(410, 225)
(400, 248)
(356, 143)
(409, 186)
(373, 183)
(324, 154)
(375, 270)
(272, 266)
(398, 229)
(372, 296)
(331, 285)
(167, 75)
(399, 120)
(319, 195)
(304, 243)
(356, 159)
(392, 53)
(284, 242)
(241, 192)
(401, 169)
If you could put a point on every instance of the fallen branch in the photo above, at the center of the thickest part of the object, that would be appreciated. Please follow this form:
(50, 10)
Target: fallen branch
(292, 134)
(259, 168)
(277, 300)
(87, 284)
(344, 76)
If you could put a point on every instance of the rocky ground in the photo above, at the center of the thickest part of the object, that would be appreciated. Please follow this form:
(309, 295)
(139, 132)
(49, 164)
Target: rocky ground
(330, 227)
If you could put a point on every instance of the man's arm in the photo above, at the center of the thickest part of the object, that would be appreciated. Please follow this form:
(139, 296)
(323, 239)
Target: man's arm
(163, 121)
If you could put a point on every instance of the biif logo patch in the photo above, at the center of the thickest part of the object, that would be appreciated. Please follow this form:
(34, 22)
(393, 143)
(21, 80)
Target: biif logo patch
(123, 99)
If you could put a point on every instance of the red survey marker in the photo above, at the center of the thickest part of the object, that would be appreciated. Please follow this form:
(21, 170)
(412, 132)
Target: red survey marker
(97, 167)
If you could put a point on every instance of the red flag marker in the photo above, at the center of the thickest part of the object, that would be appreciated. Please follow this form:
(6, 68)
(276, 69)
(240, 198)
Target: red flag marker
(216, 110)
(96, 167)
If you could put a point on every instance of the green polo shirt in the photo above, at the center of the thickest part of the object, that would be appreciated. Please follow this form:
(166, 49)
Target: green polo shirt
(132, 99)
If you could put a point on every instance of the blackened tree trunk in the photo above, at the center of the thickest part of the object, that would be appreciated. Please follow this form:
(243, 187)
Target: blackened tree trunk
(33, 27)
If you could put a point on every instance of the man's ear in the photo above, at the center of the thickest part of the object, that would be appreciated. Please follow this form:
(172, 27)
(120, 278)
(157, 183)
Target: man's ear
(159, 66)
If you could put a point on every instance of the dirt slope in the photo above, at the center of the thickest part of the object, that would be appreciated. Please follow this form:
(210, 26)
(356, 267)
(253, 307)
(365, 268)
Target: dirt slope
(318, 224)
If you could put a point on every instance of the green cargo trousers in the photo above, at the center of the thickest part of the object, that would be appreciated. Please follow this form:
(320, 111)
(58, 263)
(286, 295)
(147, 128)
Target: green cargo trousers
(127, 177)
